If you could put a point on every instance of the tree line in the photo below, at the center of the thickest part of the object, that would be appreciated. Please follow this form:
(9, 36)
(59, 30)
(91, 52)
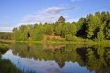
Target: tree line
(5, 35)
(93, 26)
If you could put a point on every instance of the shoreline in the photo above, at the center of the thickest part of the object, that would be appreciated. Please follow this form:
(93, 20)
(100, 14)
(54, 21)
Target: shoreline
(89, 42)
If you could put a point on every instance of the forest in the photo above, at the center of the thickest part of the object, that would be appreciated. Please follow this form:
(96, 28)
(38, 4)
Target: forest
(95, 27)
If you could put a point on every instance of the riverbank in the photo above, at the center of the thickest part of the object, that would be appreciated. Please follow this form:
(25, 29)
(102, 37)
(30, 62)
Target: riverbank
(83, 42)
(7, 67)
(3, 48)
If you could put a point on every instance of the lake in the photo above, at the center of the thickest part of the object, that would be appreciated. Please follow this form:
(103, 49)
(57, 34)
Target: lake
(37, 58)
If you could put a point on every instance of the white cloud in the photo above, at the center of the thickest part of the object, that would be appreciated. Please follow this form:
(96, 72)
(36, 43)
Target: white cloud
(56, 10)
(72, 20)
(48, 15)
(39, 19)
(53, 10)
(6, 29)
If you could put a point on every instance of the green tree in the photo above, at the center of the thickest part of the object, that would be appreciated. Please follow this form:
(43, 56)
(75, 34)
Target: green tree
(61, 20)
(100, 34)
(93, 23)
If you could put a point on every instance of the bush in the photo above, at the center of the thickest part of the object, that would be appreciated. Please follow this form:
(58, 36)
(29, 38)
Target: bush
(70, 37)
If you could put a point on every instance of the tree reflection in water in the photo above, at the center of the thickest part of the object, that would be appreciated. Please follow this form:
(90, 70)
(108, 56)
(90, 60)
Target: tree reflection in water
(5, 65)
(95, 58)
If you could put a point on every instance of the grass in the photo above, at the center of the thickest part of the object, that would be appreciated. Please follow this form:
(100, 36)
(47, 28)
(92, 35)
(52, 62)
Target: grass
(3, 48)
(6, 41)
(81, 41)
(7, 67)
(103, 43)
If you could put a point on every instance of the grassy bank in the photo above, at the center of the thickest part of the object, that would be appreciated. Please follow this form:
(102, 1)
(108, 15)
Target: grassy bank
(6, 41)
(85, 42)
(3, 48)
(7, 67)
(104, 43)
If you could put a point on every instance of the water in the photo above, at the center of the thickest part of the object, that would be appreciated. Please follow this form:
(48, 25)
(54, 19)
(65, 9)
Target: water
(59, 58)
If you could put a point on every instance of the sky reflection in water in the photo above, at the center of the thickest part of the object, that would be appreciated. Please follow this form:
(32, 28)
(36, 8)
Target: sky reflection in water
(42, 66)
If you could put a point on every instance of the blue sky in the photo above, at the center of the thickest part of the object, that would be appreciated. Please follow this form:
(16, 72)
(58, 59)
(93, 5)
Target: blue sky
(13, 13)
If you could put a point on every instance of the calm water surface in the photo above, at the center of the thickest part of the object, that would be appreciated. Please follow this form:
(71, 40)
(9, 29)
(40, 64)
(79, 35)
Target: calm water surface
(59, 58)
